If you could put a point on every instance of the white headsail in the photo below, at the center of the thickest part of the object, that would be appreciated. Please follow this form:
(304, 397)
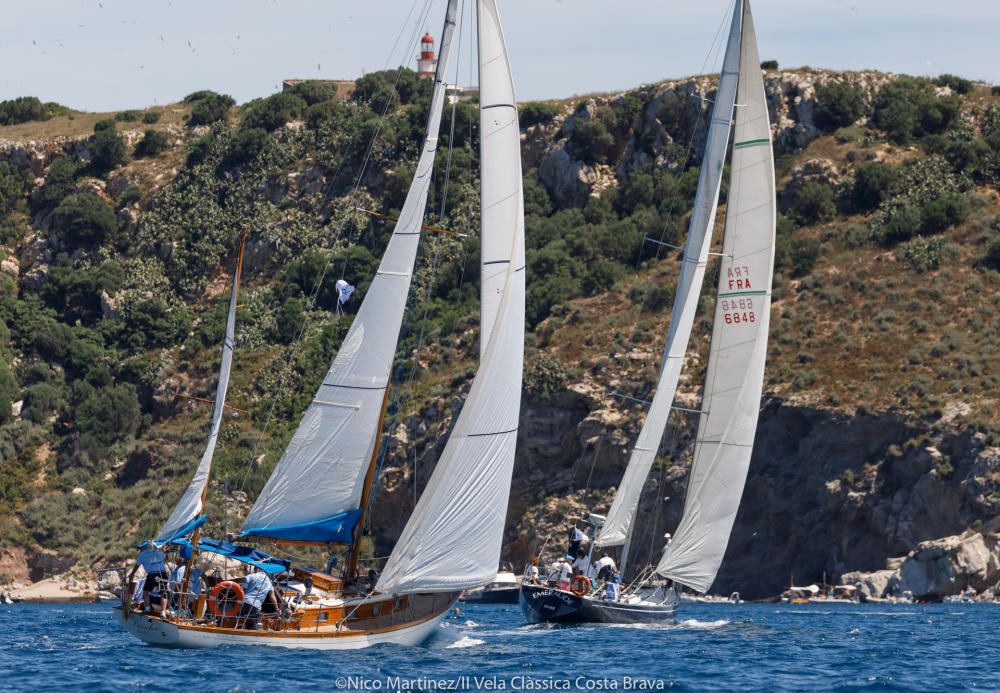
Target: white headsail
(188, 511)
(452, 540)
(623, 508)
(735, 375)
(314, 493)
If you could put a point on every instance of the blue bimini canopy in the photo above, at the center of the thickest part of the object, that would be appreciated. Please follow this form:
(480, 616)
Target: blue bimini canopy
(336, 529)
(246, 554)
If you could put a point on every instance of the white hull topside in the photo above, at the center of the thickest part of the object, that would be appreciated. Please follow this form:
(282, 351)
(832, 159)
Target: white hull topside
(165, 634)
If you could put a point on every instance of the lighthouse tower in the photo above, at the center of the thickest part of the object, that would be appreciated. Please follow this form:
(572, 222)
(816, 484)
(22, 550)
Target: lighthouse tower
(426, 63)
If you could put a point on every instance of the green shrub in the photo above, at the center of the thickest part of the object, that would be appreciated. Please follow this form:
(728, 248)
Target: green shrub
(838, 104)
(545, 376)
(955, 83)
(131, 194)
(129, 116)
(811, 204)
(968, 154)
(60, 180)
(102, 125)
(872, 184)
(901, 224)
(108, 148)
(153, 143)
(797, 255)
(537, 112)
(14, 183)
(591, 140)
(41, 401)
(652, 296)
(27, 108)
(314, 91)
(273, 112)
(769, 65)
(208, 107)
(289, 320)
(925, 254)
(75, 293)
(944, 212)
(150, 117)
(907, 108)
(992, 257)
(153, 323)
(107, 416)
(85, 218)
(927, 183)
(8, 391)
(199, 150)
(245, 146)
(385, 89)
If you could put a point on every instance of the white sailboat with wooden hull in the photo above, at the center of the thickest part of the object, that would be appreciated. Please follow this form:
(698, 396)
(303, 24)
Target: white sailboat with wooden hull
(735, 372)
(320, 489)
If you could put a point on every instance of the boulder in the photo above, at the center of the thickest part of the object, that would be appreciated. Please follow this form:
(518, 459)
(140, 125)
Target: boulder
(10, 266)
(949, 565)
(872, 585)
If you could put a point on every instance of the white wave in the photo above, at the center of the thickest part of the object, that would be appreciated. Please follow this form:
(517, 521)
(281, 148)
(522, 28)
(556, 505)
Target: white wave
(703, 625)
(465, 641)
(471, 624)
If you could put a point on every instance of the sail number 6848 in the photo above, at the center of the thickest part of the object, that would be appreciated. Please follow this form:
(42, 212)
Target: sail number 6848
(738, 310)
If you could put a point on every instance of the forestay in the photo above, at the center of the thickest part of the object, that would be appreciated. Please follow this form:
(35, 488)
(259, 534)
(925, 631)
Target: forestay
(187, 514)
(315, 490)
(452, 541)
(735, 373)
(623, 508)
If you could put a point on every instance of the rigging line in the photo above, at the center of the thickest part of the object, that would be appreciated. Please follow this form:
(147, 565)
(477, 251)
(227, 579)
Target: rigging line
(407, 390)
(311, 302)
(668, 216)
(451, 133)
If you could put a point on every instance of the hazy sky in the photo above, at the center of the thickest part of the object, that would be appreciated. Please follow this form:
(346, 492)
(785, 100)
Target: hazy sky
(102, 55)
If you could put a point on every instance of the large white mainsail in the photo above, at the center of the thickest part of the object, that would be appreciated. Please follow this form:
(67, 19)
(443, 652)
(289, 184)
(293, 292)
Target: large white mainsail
(452, 540)
(623, 509)
(735, 376)
(187, 514)
(315, 491)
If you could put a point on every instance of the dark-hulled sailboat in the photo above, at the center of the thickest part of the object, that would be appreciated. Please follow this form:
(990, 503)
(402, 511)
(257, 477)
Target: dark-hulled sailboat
(735, 373)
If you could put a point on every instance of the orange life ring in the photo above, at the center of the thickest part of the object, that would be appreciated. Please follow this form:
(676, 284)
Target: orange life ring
(580, 585)
(213, 599)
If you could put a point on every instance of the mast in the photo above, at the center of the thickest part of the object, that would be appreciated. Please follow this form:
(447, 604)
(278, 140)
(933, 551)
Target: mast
(188, 515)
(352, 560)
(315, 492)
(452, 540)
(696, 249)
(229, 338)
(735, 373)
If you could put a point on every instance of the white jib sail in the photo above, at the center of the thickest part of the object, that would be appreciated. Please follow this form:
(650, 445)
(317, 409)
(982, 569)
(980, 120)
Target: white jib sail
(696, 249)
(735, 375)
(190, 507)
(321, 473)
(452, 540)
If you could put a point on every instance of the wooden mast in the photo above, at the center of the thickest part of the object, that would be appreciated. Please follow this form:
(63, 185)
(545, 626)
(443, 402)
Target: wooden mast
(351, 569)
(204, 491)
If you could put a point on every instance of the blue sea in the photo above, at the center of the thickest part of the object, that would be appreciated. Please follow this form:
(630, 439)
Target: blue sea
(713, 647)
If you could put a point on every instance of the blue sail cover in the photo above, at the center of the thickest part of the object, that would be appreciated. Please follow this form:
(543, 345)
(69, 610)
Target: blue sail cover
(246, 554)
(336, 529)
(182, 531)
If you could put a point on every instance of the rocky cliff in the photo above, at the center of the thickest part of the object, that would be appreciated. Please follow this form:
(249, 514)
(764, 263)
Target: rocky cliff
(878, 433)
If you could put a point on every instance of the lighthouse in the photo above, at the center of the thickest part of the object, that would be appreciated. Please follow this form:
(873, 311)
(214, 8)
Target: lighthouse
(426, 63)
